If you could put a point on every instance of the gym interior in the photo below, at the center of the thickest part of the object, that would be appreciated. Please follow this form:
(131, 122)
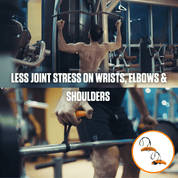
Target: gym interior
(149, 36)
(156, 20)
(150, 45)
(34, 110)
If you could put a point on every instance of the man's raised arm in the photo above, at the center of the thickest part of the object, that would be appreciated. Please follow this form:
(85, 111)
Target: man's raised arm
(62, 45)
(112, 46)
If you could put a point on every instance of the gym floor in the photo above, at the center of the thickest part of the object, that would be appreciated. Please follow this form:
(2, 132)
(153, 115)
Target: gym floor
(83, 168)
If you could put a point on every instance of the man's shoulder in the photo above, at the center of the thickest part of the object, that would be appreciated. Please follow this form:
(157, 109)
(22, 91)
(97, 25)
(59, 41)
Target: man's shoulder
(106, 45)
(80, 43)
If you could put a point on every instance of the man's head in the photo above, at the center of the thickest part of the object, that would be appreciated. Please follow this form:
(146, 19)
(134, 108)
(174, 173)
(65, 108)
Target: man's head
(95, 33)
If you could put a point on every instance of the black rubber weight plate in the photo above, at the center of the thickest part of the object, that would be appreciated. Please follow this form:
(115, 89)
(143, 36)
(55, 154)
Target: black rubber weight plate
(9, 147)
(170, 130)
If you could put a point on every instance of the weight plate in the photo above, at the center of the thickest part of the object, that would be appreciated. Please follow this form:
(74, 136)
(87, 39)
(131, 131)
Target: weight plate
(9, 146)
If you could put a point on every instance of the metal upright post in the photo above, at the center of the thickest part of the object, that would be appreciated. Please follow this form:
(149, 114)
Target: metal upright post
(96, 5)
(155, 115)
(54, 35)
(58, 167)
(170, 26)
(128, 37)
(104, 65)
(128, 32)
(150, 21)
(150, 34)
(20, 111)
(130, 106)
(171, 107)
(19, 99)
(23, 171)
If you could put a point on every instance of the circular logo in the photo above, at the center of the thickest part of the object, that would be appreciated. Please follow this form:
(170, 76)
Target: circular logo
(153, 151)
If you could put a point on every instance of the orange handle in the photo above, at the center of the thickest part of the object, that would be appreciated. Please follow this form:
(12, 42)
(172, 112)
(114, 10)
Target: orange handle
(80, 114)
(143, 125)
(169, 56)
(130, 58)
(167, 63)
(159, 162)
(133, 65)
(148, 148)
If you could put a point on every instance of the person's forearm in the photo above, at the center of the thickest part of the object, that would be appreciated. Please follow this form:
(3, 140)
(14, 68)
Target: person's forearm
(138, 97)
(61, 41)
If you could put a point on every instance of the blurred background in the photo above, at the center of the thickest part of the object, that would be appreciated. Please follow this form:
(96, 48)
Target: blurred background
(162, 104)
(157, 19)
(34, 110)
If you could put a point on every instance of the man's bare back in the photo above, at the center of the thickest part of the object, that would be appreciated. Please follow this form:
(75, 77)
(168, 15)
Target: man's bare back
(91, 55)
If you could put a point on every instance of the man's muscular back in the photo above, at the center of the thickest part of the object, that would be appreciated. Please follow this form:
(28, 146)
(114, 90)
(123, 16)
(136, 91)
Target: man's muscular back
(91, 55)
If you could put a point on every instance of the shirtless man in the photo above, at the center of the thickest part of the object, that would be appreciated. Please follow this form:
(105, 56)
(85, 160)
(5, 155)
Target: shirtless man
(91, 55)
(102, 123)
(107, 122)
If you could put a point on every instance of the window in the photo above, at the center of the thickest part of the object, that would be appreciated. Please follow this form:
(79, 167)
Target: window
(175, 25)
(140, 15)
(112, 21)
(160, 25)
(138, 22)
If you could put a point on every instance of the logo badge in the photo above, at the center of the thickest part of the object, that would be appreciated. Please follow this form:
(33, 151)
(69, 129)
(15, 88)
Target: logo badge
(153, 151)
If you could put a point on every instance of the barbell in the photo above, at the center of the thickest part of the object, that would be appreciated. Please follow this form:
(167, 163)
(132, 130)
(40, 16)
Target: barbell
(57, 148)
(11, 153)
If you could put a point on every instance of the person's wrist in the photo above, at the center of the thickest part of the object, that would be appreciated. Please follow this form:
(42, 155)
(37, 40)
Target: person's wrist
(144, 115)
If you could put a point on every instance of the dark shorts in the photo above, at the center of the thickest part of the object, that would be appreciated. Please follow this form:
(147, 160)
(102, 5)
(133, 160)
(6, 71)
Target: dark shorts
(106, 124)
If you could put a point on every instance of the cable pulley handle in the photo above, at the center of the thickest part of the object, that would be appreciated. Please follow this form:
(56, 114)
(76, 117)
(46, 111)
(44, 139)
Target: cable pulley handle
(122, 8)
(89, 13)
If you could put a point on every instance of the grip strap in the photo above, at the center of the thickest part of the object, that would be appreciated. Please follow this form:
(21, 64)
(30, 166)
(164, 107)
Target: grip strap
(66, 133)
